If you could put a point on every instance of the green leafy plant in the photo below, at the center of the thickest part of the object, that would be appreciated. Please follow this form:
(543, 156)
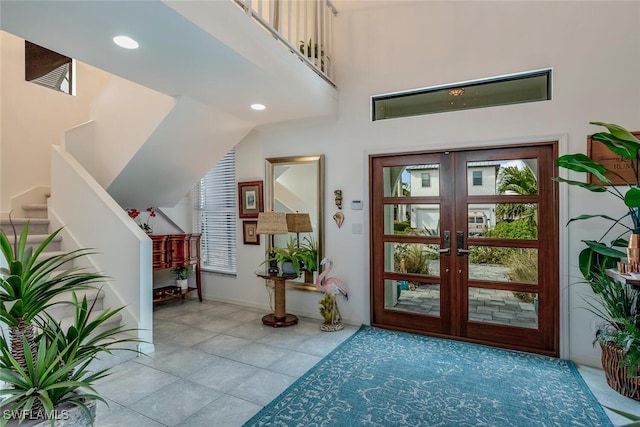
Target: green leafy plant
(182, 273)
(616, 305)
(308, 254)
(627, 415)
(621, 143)
(523, 268)
(290, 253)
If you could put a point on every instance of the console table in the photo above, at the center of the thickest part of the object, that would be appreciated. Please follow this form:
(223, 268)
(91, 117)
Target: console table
(280, 317)
(172, 251)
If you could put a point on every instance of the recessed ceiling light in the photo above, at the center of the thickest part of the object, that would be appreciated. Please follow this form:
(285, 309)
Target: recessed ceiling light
(125, 42)
(258, 107)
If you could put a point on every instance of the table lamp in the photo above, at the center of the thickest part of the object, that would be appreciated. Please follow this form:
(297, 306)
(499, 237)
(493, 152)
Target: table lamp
(272, 223)
(299, 223)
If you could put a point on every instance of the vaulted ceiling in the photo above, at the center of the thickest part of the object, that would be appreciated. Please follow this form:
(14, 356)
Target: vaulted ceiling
(206, 50)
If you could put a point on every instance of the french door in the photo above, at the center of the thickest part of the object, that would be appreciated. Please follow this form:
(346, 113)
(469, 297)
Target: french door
(464, 245)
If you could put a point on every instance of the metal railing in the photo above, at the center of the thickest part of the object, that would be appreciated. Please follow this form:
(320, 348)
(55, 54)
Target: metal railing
(303, 26)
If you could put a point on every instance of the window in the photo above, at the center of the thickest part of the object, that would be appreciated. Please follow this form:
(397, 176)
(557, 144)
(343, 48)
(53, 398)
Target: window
(215, 203)
(426, 180)
(48, 68)
(530, 86)
(477, 177)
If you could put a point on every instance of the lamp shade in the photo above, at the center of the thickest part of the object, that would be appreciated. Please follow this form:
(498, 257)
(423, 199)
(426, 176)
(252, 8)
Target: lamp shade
(272, 223)
(299, 223)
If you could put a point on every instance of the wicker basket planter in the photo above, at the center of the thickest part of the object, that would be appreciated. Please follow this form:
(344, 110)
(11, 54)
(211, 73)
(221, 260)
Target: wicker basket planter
(616, 374)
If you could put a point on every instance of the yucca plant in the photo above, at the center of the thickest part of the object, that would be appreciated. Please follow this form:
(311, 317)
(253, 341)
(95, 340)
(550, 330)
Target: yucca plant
(29, 284)
(45, 382)
(46, 365)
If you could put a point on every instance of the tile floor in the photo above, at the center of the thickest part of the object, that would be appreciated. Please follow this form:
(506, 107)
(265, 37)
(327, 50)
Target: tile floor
(215, 364)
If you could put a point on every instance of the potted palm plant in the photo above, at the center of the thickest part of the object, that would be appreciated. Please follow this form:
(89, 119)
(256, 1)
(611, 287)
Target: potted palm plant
(308, 253)
(44, 364)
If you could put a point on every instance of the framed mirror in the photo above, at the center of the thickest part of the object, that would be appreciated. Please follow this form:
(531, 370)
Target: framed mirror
(296, 184)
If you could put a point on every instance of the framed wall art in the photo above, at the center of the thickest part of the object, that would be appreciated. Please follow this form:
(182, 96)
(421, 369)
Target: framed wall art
(249, 233)
(250, 199)
(601, 154)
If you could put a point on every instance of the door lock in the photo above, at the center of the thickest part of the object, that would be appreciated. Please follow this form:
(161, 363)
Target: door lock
(460, 243)
(447, 244)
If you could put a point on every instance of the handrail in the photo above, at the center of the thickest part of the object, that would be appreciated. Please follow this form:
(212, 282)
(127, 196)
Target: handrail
(301, 26)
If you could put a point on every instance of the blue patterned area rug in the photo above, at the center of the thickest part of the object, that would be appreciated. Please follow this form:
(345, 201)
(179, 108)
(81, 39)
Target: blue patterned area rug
(385, 378)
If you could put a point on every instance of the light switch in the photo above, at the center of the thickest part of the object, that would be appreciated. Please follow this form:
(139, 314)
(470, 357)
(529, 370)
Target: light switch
(356, 228)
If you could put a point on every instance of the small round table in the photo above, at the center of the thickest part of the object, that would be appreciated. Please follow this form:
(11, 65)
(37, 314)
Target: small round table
(280, 317)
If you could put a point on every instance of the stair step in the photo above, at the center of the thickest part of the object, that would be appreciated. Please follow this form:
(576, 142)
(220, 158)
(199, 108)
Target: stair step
(48, 254)
(36, 225)
(35, 240)
(36, 210)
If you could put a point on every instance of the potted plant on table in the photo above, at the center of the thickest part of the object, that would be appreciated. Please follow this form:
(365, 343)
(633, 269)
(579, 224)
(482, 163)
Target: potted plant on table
(181, 275)
(46, 365)
(289, 258)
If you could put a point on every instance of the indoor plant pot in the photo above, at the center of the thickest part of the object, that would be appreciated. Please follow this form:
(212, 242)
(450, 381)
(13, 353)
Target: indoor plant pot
(308, 253)
(289, 254)
(614, 303)
(618, 375)
(181, 275)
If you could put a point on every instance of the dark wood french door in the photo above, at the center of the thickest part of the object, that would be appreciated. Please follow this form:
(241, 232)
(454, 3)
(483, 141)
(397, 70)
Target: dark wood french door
(464, 245)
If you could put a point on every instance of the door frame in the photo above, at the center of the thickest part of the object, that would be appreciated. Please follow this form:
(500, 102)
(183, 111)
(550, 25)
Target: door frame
(560, 142)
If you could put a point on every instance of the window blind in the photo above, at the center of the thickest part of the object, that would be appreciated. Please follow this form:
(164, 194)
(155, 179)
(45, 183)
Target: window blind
(215, 216)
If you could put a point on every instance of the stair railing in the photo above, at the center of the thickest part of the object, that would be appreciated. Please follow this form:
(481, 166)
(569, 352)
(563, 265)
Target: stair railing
(304, 27)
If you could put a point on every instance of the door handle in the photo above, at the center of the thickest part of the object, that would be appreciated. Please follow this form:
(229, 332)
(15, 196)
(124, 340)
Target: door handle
(460, 243)
(447, 244)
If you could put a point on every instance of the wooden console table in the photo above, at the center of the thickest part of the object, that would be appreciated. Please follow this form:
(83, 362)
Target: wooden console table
(280, 317)
(172, 251)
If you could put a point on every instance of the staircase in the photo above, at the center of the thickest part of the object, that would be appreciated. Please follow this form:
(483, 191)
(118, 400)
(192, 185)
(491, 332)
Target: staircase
(37, 217)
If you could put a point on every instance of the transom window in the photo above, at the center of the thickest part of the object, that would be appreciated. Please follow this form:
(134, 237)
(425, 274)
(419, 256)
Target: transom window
(531, 86)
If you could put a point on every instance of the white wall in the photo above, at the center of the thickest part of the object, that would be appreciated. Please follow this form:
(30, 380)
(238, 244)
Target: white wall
(30, 120)
(419, 44)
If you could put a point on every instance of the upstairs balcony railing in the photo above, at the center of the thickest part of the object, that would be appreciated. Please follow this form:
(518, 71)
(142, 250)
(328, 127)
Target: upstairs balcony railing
(304, 26)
